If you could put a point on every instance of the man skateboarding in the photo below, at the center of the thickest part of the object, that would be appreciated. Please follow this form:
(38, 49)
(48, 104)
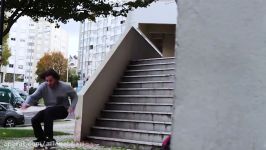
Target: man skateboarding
(56, 96)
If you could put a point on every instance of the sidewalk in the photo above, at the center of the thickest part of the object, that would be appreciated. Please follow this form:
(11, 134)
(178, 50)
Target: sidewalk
(64, 141)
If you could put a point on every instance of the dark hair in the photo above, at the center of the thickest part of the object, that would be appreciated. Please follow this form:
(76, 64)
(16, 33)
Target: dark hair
(50, 72)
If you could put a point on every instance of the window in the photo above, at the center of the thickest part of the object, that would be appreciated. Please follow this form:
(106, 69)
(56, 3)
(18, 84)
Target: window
(29, 57)
(13, 39)
(20, 66)
(22, 40)
(91, 46)
(11, 65)
(122, 22)
(30, 50)
(29, 63)
(31, 44)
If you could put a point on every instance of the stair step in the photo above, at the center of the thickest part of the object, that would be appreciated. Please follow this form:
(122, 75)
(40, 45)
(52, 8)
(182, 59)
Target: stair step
(146, 104)
(152, 66)
(131, 134)
(138, 115)
(158, 58)
(142, 98)
(146, 84)
(125, 143)
(139, 106)
(145, 96)
(135, 124)
(153, 60)
(150, 72)
(162, 77)
(138, 121)
(144, 91)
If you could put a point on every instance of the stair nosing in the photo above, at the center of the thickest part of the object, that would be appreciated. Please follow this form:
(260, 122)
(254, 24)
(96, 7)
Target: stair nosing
(151, 64)
(135, 121)
(150, 96)
(147, 70)
(150, 104)
(124, 140)
(132, 89)
(141, 76)
(145, 82)
(131, 130)
(160, 58)
(138, 112)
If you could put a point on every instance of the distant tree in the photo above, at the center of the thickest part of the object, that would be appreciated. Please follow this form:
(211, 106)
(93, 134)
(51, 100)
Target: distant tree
(6, 53)
(73, 77)
(64, 10)
(54, 60)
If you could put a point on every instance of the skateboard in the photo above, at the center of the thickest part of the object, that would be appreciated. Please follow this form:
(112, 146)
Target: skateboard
(47, 146)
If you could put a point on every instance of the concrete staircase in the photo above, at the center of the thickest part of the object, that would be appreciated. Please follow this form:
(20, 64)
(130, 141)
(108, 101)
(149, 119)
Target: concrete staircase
(138, 114)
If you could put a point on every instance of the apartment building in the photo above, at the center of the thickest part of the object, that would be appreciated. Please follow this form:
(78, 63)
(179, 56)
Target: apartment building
(28, 41)
(96, 39)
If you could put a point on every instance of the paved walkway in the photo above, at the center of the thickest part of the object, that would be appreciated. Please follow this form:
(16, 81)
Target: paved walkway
(64, 142)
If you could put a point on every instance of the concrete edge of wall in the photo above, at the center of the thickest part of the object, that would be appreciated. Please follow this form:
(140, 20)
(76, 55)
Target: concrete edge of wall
(132, 45)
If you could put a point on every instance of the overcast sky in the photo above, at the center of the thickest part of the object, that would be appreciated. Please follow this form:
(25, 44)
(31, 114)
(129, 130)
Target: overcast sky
(72, 28)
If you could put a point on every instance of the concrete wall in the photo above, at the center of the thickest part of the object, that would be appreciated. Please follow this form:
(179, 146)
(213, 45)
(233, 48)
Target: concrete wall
(221, 75)
(92, 97)
(169, 46)
(162, 33)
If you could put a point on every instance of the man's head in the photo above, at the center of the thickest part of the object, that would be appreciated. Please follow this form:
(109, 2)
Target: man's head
(51, 77)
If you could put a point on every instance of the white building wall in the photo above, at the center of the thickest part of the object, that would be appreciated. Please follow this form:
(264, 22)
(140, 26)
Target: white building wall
(96, 39)
(29, 41)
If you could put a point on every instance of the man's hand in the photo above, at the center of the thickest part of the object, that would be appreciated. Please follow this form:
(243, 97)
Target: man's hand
(24, 106)
(71, 110)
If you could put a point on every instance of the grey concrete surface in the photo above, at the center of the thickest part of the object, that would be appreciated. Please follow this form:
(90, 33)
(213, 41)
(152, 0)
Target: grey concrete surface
(221, 75)
(132, 45)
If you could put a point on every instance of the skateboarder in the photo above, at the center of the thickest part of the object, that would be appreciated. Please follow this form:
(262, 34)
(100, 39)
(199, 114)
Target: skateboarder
(55, 94)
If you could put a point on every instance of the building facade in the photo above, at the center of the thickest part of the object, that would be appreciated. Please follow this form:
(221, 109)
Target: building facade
(28, 41)
(96, 39)
(73, 63)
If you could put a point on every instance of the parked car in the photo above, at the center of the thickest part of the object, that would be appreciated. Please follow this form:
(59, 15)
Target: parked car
(22, 93)
(11, 96)
(9, 116)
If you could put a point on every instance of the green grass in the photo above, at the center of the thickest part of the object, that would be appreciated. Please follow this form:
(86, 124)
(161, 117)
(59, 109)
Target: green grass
(20, 133)
(41, 102)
